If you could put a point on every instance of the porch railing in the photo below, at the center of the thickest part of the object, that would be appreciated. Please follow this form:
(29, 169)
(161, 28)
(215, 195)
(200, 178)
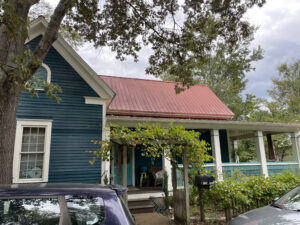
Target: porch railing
(247, 168)
(279, 167)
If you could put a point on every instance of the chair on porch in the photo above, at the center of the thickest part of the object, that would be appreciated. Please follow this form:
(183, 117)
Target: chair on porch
(157, 175)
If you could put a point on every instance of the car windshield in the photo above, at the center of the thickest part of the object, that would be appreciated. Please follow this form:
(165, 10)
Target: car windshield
(55, 210)
(290, 201)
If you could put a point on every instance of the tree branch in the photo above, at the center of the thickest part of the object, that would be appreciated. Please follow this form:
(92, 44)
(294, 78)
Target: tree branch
(50, 35)
(145, 21)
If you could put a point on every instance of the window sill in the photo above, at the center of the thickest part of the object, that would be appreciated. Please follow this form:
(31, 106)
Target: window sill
(24, 181)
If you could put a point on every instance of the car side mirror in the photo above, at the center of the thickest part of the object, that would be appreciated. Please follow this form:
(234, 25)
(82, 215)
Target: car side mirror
(274, 200)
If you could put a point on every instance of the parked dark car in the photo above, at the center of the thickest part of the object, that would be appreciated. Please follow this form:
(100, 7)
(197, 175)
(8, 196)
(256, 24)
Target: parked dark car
(63, 204)
(285, 210)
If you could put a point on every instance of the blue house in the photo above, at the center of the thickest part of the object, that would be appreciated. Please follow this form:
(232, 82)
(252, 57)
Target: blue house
(52, 139)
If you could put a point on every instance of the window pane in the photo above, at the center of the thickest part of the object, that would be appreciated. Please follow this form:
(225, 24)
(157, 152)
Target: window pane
(31, 166)
(29, 211)
(33, 139)
(41, 73)
(85, 210)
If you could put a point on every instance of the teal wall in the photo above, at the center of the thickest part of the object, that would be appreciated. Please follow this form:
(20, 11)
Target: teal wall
(74, 122)
(143, 161)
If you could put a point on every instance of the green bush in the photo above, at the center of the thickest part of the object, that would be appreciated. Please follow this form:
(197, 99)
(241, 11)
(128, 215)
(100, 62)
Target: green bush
(245, 193)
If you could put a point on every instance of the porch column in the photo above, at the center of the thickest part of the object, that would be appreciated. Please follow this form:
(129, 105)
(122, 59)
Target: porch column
(260, 151)
(167, 168)
(105, 165)
(295, 148)
(216, 150)
(133, 166)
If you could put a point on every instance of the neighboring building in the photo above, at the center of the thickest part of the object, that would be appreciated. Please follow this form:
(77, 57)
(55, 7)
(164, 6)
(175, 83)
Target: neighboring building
(52, 139)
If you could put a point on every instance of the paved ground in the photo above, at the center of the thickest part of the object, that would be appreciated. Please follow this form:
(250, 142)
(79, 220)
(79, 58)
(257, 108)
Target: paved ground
(151, 219)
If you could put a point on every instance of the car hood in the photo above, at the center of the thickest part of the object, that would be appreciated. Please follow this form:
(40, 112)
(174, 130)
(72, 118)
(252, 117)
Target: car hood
(267, 215)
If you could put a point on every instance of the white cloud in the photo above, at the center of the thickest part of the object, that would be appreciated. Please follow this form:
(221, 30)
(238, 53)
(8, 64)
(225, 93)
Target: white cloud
(278, 35)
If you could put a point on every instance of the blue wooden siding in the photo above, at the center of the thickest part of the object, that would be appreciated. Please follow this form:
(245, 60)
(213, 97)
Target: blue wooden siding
(74, 122)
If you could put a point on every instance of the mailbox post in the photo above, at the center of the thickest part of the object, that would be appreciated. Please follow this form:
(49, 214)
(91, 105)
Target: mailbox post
(203, 182)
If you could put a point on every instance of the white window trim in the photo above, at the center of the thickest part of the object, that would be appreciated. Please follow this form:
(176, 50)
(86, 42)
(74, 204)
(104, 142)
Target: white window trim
(98, 101)
(47, 124)
(48, 72)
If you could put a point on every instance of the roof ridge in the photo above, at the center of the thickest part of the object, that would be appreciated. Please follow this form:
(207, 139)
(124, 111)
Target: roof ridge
(134, 78)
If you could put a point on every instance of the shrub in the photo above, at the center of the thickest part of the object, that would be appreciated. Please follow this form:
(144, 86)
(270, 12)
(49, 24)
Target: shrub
(239, 195)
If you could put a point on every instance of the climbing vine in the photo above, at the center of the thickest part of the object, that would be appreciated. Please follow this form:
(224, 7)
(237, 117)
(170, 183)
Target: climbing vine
(155, 141)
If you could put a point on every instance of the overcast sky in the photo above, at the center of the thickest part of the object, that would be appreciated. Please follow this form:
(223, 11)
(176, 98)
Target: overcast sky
(278, 35)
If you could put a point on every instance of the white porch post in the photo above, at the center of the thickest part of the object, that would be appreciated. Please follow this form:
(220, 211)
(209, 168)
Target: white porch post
(216, 150)
(167, 167)
(295, 148)
(133, 166)
(260, 151)
(105, 165)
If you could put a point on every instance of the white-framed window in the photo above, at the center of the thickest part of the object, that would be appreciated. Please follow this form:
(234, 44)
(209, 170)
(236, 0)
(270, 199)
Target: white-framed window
(32, 151)
(43, 73)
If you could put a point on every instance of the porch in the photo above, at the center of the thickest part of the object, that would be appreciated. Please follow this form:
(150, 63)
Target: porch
(222, 136)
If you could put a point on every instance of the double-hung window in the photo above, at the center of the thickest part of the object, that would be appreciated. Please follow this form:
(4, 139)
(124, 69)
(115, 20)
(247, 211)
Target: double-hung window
(32, 150)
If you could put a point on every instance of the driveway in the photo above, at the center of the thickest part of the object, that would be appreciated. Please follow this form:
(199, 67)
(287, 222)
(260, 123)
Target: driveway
(151, 219)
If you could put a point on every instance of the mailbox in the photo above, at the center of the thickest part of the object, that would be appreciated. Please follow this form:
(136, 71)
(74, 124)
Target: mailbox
(204, 181)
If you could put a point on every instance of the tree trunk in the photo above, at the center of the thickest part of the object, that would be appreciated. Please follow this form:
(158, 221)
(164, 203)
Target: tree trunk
(271, 147)
(8, 109)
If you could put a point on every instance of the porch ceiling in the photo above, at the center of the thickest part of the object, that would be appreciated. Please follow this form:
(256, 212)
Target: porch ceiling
(240, 129)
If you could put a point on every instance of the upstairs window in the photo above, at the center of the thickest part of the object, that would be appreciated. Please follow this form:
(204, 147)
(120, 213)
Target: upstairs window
(42, 74)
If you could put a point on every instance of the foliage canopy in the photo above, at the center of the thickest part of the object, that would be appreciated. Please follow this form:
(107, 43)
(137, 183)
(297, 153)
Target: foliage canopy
(156, 141)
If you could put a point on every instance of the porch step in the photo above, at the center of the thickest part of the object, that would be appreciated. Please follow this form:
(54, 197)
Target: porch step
(140, 206)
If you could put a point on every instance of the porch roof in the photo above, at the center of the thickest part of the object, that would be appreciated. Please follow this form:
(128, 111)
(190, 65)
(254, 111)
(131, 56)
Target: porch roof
(237, 129)
(153, 98)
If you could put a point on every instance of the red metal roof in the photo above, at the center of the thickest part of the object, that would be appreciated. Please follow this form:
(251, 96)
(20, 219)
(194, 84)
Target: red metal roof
(151, 98)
